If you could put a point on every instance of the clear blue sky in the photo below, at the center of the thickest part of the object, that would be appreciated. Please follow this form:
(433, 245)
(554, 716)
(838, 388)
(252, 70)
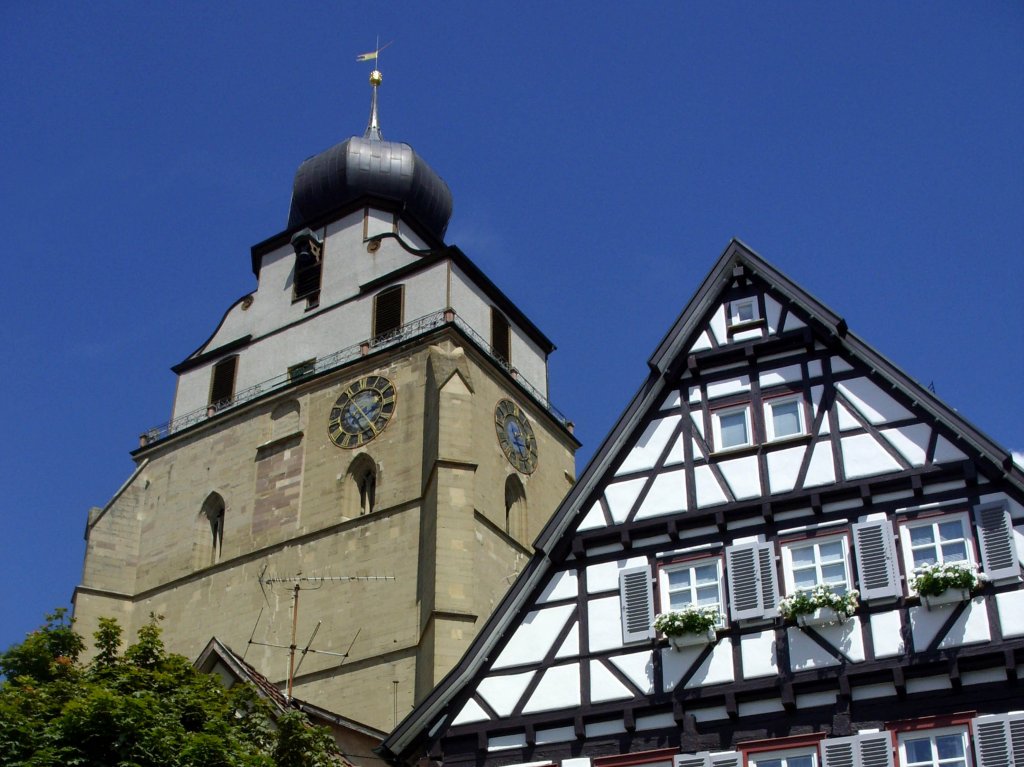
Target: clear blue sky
(601, 156)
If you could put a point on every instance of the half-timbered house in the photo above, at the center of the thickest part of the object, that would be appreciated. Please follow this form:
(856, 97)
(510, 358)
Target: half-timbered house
(770, 451)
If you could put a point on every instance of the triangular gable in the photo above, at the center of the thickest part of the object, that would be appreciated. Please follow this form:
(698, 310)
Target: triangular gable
(750, 354)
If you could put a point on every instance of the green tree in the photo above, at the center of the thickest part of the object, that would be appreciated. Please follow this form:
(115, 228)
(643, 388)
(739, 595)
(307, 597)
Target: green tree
(140, 708)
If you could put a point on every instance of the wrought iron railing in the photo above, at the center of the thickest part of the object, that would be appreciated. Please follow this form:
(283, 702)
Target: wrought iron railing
(417, 327)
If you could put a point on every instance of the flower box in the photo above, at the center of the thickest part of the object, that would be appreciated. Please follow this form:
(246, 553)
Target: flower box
(823, 616)
(691, 639)
(947, 597)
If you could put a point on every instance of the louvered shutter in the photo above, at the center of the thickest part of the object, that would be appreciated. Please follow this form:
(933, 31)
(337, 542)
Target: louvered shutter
(753, 584)
(637, 600)
(222, 384)
(690, 760)
(995, 534)
(387, 311)
(999, 740)
(724, 759)
(877, 570)
(871, 749)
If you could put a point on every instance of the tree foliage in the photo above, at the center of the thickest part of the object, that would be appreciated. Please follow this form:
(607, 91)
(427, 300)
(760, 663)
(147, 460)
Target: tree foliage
(140, 708)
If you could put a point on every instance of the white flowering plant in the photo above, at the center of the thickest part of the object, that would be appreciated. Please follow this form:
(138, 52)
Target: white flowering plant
(931, 580)
(689, 620)
(806, 602)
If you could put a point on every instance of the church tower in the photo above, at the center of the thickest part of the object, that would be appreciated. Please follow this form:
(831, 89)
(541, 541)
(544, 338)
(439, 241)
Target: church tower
(371, 424)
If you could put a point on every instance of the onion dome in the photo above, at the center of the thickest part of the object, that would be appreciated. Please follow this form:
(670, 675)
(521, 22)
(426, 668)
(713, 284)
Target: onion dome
(369, 166)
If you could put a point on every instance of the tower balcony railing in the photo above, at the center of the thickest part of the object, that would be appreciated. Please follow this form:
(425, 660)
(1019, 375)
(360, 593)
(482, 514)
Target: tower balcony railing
(409, 330)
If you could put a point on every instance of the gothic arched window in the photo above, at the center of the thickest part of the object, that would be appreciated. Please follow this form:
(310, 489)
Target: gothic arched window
(361, 487)
(209, 535)
(515, 508)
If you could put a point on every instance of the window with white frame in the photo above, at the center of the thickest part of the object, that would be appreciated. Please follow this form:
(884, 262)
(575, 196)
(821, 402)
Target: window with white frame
(937, 540)
(731, 427)
(943, 747)
(697, 583)
(784, 417)
(796, 757)
(743, 310)
(811, 563)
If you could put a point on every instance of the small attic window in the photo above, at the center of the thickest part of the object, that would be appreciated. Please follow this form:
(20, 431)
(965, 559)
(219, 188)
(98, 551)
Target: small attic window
(308, 266)
(303, 369)
(222, 381)
(743, 311)
(500, 337)
(387, 311)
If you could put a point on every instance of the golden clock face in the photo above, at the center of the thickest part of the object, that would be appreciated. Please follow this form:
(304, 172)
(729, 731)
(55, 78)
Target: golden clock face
(516, 437)
(362, 411)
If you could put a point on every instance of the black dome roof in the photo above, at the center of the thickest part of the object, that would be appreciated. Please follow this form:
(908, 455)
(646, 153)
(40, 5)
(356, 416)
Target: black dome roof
(368, 166)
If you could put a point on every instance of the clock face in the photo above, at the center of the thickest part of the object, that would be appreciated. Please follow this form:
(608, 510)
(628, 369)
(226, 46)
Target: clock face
(362, 411)
(516, 437)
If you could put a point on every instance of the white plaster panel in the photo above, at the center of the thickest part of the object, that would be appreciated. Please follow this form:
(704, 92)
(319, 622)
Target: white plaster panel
(863, 457)
(945, 452)
(471, 712)
(563, 585)
(1010, 605)
(925, 623)
(698, 454)
(534, 636)
(717, 668)
(502, 693)
(604, 685)
(839, 365)
(846, 419)
(672, 400)
(604, 625)
(814, 369)
(793, 322)
(697, 418)
(971, 628)
(666, 496)
(871, 691)
(910, 441)
(677, 454)
(826, 427)
(742, 476)
(846, 637)
(559, 735)
(745, 335)
(709, 492)
(694, 395)
(580, 761)
(638, 668)
(758, 655)
(728, 386)
(805, 653)
(558, 688)
(594, 518)
(621, 496)
(886, 634)
(783, 468)
(772, 312)
(928, 684)
(605, 576)
(571, 646)
(822, 469)
(717, 326)
(778, 376)
(506, 742)
(703, 342)
(709, 714)
(606, 548)
(649, 447)
(608, 727)
(656, 722)
(871, 402)
(755, 707)
(815, 699)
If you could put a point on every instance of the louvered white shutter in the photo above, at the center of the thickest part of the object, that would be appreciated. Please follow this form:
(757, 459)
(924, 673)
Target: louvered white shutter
(753, 584)
(999, 740)
(871, 749)
(724, 758)
(877, 570)
(690, 760)
(637, 600)
(995, 534)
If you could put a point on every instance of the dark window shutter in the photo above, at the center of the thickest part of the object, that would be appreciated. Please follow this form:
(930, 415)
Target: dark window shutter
(307, 275)
(995, 535)
(877, 570)
(753, 583)
(637, 601)
(387, 311)
(999, 740)
(500, 337)
(222, 384)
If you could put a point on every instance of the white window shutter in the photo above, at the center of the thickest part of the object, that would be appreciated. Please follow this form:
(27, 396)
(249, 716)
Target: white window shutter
(877, 571)
(872, 749)
(690, 760)
(753, 585)
(637, 600)
(724, 758)
(995, 536)
(999, 740)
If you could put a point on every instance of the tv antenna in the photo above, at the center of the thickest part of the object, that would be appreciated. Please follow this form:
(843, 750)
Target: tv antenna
(300, 583)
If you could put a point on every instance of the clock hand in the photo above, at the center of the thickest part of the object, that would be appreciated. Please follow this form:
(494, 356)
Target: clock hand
(364, 415)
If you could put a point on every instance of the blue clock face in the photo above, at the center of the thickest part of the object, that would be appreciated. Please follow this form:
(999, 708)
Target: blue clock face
(515, 436)
(362, 411)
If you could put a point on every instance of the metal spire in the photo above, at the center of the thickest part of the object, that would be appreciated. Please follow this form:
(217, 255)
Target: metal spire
(373, 126)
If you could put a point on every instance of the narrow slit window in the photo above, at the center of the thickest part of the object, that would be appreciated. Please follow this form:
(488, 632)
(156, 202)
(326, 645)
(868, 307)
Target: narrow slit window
(387, 311)
(500, 336)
